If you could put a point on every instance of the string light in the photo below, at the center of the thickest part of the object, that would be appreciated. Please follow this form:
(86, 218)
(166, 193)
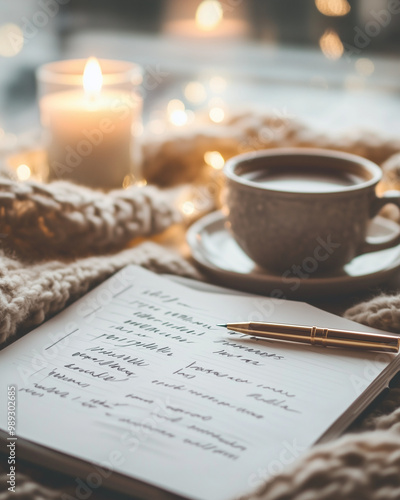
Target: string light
(195, 92)
(178, 118)
(214, 159)
(331, 45)
(141, 183)
(175, 105)
(23, 172)
(188, 208)
(334, 8)
(177, 113)
(209, 14)
(128, 181)
(217, 114)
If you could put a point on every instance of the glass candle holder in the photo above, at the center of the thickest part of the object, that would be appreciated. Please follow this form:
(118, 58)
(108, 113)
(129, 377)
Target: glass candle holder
(89, 111)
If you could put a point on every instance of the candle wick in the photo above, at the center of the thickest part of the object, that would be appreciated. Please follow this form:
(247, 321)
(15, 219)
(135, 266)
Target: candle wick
(92, 99)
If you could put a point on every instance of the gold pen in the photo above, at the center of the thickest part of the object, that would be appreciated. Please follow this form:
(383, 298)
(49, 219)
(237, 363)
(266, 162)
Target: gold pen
(314, 335)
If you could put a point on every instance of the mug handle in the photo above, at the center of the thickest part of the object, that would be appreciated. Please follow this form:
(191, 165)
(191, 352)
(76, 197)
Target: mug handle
(378, 203)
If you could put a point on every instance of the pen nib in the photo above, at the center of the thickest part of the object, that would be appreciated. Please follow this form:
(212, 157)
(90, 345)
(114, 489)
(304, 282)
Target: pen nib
(223, 326)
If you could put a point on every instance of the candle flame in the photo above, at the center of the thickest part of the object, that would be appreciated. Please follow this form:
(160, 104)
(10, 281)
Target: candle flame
(92, 77)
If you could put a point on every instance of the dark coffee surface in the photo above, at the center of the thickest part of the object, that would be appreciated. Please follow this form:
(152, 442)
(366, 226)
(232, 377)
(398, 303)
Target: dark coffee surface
(305, 180)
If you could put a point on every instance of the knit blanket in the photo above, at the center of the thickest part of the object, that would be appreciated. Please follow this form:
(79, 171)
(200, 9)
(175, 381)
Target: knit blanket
(59, 240)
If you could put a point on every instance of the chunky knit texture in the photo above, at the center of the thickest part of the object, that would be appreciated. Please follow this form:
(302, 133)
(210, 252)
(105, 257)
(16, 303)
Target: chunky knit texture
(66, 219)
(38, 222)
(31, 293)
(178, 157)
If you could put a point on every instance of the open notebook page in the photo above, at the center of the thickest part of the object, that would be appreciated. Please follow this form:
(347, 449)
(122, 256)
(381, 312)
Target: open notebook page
(135, 376)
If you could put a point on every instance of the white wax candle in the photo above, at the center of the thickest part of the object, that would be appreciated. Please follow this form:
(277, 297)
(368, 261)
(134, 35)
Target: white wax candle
(90, 136)
(90, 131)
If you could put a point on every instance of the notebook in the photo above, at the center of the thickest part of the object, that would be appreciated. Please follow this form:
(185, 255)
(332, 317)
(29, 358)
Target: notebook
(135, 388)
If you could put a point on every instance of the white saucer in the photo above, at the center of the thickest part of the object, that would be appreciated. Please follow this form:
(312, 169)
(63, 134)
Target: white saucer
(215, 250)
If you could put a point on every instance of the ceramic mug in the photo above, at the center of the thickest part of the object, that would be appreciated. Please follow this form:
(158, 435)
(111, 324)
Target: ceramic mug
(290, 206)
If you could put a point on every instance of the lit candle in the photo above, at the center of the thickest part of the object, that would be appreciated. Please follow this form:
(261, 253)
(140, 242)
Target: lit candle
(208, 19)
(90, 131)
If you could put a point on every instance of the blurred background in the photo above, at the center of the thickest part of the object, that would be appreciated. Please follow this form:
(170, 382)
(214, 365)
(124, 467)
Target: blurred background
(332, 63)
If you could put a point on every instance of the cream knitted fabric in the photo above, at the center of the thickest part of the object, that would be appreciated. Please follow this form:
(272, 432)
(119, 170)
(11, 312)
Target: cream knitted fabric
(179, 156)
(381, 312)
(364, 466)
(39, 222)
(65, 219)
(31, 293)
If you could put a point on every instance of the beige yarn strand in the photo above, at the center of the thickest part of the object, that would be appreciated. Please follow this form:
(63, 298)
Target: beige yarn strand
(30, 294)
(381, 312)
(65, 219)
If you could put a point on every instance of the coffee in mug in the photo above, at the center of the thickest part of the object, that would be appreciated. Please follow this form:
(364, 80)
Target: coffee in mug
(288, 205)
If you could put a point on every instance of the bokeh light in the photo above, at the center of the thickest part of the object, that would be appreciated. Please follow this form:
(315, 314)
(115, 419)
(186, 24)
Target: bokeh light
(23, 172)
(188, 208)
(178, 118)
(218, 84)
(333, 7)
(209, 14)
(331, 45)
(217, 114)
(364, 66)
(175, 105)
(195, 92)
(214, 159)
(11, 40)
(176, 113)
(128, 181)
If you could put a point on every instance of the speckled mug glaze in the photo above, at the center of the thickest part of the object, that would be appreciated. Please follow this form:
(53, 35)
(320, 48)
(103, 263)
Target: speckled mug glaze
(315, 231)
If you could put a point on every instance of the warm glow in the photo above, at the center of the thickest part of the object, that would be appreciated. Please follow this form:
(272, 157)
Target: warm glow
(188, 208)
(209, 14)
(218, 84)
(23, 172)
(178, 118)
(128, 181)
(156, 126)
(92, 77)
(331, 45)
(175, 105)
(333, 7)
(365, 66)
(137, 129)
(11, 40)
(190, 116)
(217, 115)
(214, 159)
(195, 92)
(176, 113)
